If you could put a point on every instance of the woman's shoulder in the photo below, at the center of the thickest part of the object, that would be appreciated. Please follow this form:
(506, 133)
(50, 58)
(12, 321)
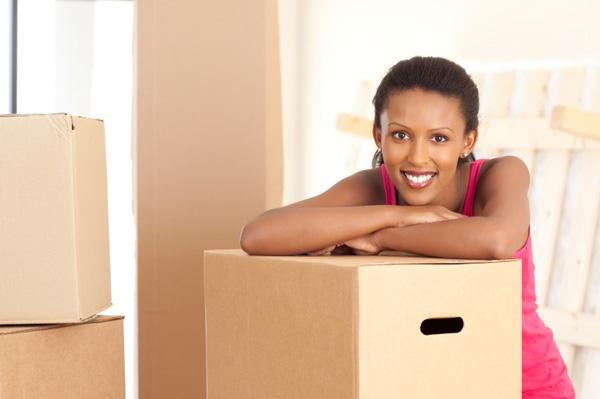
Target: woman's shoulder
(361, 188)
(503, 172)
(367, 185)
(502, 192)
(508, 165)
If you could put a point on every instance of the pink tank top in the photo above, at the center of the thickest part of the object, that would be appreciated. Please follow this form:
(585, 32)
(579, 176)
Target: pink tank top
(544, 374)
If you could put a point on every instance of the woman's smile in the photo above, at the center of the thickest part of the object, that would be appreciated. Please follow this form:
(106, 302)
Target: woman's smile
(418, 180)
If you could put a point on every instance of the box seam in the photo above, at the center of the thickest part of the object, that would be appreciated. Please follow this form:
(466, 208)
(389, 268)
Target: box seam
(204, 288)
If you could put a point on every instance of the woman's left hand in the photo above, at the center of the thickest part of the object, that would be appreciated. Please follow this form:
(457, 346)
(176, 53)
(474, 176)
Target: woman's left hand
(321, 252)
(365, 245)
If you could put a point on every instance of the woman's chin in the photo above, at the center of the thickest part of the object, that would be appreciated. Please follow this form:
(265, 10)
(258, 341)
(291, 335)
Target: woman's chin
(415, 200)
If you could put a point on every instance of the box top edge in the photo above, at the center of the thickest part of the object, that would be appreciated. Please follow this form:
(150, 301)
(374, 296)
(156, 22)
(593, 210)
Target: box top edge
(19, 329)
(388, 258)
(64, 114)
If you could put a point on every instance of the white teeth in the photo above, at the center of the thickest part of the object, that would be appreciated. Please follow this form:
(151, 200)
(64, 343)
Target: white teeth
(418, 179)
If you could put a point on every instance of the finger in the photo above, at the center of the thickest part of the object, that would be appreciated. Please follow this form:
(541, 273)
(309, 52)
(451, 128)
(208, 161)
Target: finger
(317, 253)
(453, 215)
(322, 251)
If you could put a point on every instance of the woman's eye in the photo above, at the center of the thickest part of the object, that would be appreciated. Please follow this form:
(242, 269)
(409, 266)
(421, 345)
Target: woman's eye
(439, 138)
(400, 135)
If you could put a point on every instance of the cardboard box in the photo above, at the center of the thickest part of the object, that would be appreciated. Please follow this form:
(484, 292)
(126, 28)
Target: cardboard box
(54, 256)
(198, 179)
(63, 361)
(361, 327)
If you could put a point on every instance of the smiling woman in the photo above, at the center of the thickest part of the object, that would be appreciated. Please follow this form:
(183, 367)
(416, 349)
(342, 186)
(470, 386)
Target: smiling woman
(425, 128)
(426, 195)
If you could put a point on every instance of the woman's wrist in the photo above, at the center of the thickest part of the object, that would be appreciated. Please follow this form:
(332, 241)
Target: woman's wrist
(378, 238)
(399, 216)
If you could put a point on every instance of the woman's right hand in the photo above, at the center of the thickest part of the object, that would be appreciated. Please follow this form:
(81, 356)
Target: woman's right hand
(409, 215)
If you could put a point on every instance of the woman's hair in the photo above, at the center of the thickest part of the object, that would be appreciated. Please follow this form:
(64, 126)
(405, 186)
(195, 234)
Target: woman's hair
(433, 74)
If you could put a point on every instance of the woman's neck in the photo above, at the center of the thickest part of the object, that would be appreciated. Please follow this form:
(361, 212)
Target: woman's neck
(454, 196)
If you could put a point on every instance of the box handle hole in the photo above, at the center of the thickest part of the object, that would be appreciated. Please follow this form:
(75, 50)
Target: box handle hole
(447, 325)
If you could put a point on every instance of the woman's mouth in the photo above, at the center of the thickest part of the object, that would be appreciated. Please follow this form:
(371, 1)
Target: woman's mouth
(418, 180)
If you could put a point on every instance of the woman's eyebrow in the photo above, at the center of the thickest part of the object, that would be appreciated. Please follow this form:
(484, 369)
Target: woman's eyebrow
(431, 130)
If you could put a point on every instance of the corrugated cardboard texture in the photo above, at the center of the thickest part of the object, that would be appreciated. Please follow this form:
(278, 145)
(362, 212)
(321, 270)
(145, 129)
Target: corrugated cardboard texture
(63, 361)
(349, 327)
(54, 258)
(397, 360)
(208, 159)
(279, 329)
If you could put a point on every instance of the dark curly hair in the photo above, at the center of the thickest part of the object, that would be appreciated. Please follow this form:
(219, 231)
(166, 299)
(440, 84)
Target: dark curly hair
(433, 74)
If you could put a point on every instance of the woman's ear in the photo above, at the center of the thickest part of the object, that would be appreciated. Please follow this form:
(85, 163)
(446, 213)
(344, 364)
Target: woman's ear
(470, 141)
(377, 136)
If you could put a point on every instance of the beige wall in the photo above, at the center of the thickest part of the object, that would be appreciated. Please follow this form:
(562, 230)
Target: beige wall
(208, 158)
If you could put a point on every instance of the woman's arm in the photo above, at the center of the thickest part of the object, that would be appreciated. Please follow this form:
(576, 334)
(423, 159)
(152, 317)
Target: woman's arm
(299, 230)
(498, 229)
(466, 238)
(346, 210)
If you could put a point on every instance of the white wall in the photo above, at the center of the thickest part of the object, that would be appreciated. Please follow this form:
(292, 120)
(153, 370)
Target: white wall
(338, 43)
(290, 87)
(5, 36)
(111, 99)
(36, 56)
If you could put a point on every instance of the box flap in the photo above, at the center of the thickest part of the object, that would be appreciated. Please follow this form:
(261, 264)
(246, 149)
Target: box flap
(90, 207)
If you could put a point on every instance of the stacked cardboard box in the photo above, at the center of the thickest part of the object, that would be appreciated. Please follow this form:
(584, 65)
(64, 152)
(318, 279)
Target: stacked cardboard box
(54, 261)
(361, 327)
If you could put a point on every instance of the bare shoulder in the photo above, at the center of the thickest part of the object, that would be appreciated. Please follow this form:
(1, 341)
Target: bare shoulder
(507, 167)
(361, 188)
(502, 174)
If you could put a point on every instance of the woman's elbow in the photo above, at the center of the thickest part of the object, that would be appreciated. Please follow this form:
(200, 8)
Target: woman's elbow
(248, 241)
(254, 240)
(502, 247)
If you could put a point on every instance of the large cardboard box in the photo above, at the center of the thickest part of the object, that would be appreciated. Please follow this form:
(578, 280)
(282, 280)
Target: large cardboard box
(63, 361)
(198, 179)
(54, 256)
(361, 327)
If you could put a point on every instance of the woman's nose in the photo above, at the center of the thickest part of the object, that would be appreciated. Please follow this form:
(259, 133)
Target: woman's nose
(419, 154)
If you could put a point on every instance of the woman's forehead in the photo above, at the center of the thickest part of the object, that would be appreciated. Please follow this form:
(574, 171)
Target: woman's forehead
(423, 107)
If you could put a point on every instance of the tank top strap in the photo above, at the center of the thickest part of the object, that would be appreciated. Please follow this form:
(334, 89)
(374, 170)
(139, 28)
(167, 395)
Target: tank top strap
(474, 170)
(388, 186)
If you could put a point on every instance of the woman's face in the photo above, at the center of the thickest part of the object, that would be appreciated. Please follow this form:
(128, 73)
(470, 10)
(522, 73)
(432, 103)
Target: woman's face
(421, 138)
